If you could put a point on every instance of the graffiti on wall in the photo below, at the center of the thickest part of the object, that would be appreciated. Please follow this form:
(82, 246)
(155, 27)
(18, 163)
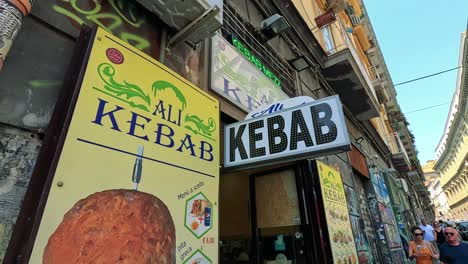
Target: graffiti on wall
(125, 19)
(373, 256)
(31, 79)
(378, 226)
(393, 236)
(352, 200)
(387, 214)
(27, 97)
(380, 188)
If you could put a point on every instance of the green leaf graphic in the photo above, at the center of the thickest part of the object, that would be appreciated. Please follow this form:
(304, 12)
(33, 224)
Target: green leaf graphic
(338, 186)
(197, 126)
(328, 184)
(163, 85)
(133, 95)
(131, 92)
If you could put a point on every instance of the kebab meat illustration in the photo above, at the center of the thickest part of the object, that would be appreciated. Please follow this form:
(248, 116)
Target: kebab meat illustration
(115, 226)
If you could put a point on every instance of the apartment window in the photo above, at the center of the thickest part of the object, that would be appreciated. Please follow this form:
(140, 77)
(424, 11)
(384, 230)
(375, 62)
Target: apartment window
(328, 37)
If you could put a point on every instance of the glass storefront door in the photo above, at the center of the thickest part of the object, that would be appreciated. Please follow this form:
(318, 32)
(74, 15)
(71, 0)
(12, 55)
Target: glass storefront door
(260, 219)
(235, 219)
(283, 245)
(278, 229)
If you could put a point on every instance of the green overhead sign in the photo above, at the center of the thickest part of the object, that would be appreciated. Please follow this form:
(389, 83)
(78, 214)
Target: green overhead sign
(246, 52)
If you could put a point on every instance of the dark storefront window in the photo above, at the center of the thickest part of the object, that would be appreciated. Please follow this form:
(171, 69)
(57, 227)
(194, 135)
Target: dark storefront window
(275, 234)
(278, 219)
(234, 219)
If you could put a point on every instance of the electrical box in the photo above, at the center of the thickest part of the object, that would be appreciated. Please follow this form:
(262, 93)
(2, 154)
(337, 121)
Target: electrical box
(403, 184)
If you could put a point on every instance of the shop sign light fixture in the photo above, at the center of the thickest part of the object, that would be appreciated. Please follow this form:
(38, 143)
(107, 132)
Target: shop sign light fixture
(272, 26)
(359, 140)
(299, 63)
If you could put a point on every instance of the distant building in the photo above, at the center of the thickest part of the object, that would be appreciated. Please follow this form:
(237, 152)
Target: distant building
(438, 197)
(452, 150)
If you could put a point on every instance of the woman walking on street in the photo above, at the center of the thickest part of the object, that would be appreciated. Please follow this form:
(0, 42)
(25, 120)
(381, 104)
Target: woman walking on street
(440, 239)
(424, 252)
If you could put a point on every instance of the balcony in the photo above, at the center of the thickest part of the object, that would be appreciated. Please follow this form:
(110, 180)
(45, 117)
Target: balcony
(459, 192)
(356, 20)
(379, 85)
(413, 176)
(354, 12)
(345, 71)
(419, 188)
(407, 140)
(400, 158)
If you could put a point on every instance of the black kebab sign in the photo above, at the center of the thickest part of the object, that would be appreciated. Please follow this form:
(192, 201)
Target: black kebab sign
(301, 132)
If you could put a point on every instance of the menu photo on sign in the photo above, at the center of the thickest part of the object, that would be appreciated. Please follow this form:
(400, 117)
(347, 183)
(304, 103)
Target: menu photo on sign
(337, 216)
(137, 177)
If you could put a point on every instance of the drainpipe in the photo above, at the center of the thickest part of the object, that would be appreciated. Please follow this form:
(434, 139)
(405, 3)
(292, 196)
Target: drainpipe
(12, 13)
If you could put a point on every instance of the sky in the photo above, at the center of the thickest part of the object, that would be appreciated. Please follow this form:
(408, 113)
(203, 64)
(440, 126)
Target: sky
(418, 38)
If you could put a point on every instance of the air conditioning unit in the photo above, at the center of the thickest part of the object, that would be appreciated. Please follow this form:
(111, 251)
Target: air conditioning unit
(194, 20)
(402, 183)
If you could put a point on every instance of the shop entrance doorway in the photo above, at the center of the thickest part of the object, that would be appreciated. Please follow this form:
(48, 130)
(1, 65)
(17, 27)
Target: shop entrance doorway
(283, 245)
(278, 219)
(260, 218)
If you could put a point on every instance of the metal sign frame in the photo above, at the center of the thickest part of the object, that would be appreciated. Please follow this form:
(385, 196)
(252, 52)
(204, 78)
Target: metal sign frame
(340, 144)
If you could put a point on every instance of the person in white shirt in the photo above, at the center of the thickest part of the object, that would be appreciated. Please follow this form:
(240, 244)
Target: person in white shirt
(429, 232)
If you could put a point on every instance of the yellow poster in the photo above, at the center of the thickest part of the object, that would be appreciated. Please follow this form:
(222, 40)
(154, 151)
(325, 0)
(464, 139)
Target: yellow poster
(137, 178)
(336, 212)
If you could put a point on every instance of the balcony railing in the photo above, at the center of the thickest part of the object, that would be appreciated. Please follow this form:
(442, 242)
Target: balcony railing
(396, 147)
(374, 74)
(356, 20)
(333, 38)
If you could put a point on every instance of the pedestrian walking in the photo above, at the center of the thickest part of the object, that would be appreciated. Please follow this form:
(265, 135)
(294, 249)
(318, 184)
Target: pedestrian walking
(450, 223)
(428, 230)
(423, 251)
(442, 224)
(440, 237)
(453, 251)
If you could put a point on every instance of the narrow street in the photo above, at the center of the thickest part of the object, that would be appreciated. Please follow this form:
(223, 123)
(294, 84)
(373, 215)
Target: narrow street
(233, 132)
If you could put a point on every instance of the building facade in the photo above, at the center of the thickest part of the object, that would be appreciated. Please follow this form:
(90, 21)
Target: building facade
(247, 62)
(452, 150)
(438, 197)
